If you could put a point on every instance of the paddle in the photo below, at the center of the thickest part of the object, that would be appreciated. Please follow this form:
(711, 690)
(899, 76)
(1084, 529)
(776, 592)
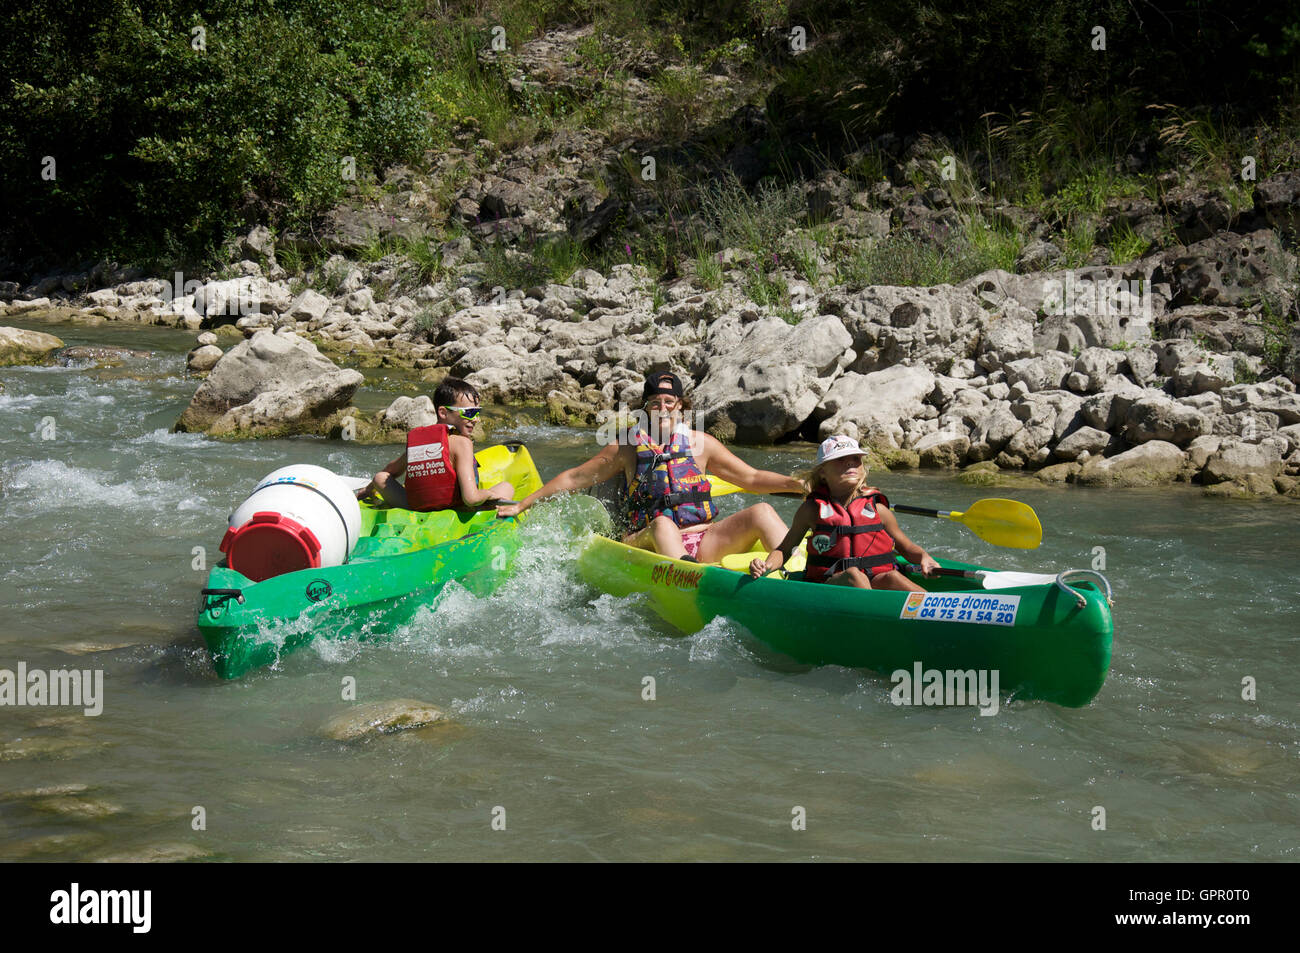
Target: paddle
(1000, 522)
(721, 487)
(990, 579)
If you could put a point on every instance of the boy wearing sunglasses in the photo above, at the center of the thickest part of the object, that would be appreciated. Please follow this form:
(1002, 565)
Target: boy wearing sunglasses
(441, 472)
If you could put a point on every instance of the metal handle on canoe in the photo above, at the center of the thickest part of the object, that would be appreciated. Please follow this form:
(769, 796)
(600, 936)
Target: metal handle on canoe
(1063, 581)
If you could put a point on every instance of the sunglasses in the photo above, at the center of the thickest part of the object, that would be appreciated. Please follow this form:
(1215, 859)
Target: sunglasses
(469, 413)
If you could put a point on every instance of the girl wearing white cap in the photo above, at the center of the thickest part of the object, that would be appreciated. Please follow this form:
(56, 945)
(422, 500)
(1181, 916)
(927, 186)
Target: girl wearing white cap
(854, 535)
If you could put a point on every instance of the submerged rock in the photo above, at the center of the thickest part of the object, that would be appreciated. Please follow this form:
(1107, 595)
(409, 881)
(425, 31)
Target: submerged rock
(43, 747)
(156, 854)
(77, 843)
(379, 718)
(49, 790)
(99, 355)
(75, 807)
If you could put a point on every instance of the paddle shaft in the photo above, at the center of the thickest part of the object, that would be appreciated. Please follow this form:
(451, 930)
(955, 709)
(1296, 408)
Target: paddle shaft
(1000, 522)
(920, 511)
(960, 573)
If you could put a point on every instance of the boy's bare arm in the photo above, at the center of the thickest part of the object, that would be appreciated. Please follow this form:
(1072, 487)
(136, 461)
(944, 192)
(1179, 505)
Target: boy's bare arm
(462, 461)
(394, 469)
(397, 467)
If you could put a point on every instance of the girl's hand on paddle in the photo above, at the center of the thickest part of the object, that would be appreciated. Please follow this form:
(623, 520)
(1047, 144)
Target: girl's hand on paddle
(928, 566)
(758, 568)
(509, 509)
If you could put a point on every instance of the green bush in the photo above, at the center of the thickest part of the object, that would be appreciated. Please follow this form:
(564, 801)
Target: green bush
(165, 139)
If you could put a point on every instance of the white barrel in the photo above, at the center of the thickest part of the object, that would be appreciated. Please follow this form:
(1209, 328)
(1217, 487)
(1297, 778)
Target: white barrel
(313, 497)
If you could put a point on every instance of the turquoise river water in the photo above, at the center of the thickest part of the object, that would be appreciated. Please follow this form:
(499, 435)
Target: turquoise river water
(102, 508)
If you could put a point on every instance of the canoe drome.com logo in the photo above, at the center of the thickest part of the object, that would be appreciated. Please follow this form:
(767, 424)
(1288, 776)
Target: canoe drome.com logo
(77, 906)
(922, 686)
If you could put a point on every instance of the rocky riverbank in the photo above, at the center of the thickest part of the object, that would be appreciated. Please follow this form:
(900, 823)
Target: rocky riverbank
(1177, 365)
(946, 376)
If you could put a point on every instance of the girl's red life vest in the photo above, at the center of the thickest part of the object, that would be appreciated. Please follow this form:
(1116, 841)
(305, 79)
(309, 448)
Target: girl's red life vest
(430, 478)
(848, 537)
(668, 482)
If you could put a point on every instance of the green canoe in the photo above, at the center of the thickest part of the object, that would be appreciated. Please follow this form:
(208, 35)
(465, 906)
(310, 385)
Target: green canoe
(1050, 641)
(402, 560)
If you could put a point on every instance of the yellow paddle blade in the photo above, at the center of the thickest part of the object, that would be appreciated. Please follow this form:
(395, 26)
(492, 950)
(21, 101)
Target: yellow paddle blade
(720, 487)
(740, 561)
(1002, 523)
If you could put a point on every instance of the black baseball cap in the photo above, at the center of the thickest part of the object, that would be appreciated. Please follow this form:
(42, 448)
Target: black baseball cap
(661, 382)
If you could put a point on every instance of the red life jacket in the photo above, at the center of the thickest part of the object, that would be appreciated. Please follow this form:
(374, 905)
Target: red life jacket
(845, 538)
(430, 478)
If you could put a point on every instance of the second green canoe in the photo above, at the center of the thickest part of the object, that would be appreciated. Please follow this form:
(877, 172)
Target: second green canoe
(1051, 641)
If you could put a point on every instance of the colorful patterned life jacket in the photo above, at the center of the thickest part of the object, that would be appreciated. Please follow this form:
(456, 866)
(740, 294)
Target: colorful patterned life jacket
(848, 537)
(430, 478)
(668, 482)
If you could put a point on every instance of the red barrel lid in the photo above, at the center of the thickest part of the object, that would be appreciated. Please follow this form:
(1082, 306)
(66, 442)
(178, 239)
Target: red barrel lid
(270, 544)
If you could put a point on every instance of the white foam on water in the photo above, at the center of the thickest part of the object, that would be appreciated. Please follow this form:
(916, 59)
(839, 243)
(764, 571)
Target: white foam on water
(17, 401)
(187, 441)
(539, 432)
(719, 638)
(52, 484)
(508, 702)
(336, 651)
(37, 369)
(276, 631)
(450, 626)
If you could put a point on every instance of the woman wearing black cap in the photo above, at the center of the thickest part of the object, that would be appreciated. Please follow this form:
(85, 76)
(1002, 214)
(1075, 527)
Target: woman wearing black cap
(663, 464)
